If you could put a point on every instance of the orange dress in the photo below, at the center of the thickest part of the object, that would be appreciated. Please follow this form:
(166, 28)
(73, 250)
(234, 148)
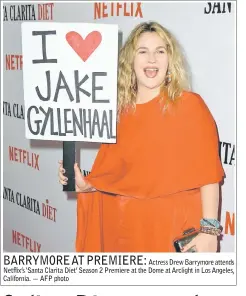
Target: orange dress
(148, 183)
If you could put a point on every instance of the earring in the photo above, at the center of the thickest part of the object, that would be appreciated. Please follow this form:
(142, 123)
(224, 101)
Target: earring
(168, 77)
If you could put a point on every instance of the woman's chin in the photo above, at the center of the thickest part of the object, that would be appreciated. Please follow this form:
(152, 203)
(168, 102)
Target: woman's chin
(151, 86)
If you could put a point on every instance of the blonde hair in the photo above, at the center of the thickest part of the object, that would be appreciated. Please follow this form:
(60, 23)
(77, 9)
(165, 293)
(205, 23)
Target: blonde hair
(127, 87)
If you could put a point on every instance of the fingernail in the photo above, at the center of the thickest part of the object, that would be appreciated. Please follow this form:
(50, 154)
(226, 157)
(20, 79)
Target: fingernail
(64, 171)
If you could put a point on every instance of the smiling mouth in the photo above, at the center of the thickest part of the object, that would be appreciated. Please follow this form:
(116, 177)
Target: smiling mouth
(151, 72)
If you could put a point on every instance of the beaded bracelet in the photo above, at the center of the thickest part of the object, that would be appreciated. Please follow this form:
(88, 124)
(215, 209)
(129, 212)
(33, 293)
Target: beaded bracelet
(210, 222)
(210, 230)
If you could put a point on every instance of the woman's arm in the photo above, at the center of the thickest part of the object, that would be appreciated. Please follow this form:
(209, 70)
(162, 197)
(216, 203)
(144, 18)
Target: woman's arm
(204, 242)
(210, 201)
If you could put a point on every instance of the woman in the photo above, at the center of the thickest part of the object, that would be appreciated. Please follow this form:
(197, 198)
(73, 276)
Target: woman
(162, 176)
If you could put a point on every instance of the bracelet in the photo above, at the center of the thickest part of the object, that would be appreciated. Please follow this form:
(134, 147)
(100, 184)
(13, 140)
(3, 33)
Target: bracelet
(210, 222)
(210, 230)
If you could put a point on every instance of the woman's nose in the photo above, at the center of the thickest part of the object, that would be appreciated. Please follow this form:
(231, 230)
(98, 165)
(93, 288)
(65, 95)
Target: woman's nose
(151, 57)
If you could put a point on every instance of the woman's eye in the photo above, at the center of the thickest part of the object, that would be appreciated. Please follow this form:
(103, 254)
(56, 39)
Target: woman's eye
(142, 51)
(160, 51)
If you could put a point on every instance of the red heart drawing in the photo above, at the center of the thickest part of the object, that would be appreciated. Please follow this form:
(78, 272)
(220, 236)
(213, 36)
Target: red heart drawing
(84, 47)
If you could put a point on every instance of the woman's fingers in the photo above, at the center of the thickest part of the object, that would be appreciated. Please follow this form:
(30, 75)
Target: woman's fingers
(61, 173)
(78, 176)
(62, 170)
(191, 244)
(77, 170)
(62, 182)
(61, 166)
(62, 178)
(79, 179)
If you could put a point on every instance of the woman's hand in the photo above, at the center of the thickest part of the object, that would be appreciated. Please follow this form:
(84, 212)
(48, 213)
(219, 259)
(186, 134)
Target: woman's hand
(80, 183)
(202, 243)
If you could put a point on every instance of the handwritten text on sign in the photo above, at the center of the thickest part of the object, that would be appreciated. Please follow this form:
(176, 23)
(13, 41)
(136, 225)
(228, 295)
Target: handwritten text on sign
(70, 81)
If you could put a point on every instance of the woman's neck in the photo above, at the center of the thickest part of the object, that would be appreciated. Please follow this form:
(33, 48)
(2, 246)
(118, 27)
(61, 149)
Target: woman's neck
(146, 95)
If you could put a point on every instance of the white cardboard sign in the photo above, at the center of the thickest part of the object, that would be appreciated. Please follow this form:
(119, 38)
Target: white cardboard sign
(70, 81)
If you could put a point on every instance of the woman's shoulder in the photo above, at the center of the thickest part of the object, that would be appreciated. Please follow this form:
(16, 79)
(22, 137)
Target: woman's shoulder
(192, 101)
(191, 97)
(194, 108)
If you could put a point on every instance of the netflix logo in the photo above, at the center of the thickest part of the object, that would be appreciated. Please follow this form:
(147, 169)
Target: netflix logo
(23, 156)
(127, 9)
(31, 204)
(29, 12)
(13, 62)
(25, 242)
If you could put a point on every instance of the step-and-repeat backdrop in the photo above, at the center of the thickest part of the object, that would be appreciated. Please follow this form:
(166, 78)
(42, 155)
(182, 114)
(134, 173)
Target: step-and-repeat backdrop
(37, 215)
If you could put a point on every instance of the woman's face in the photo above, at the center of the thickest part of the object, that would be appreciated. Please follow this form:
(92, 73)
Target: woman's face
(151, 61)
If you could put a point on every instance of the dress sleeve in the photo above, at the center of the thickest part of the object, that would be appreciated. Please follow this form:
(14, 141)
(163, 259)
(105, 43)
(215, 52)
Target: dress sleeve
(199, 144)
(107, 168)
